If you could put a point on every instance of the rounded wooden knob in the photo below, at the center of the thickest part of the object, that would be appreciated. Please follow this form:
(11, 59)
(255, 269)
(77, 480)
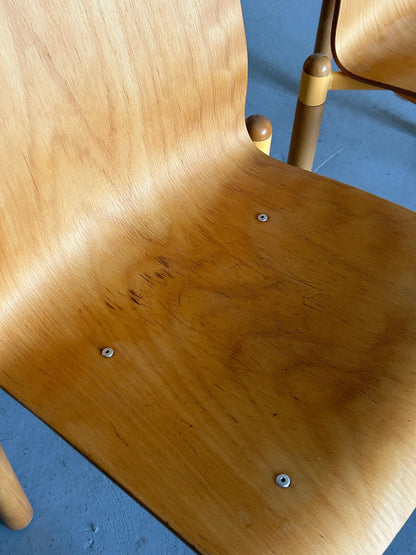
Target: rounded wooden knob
(259, 128)
(317, 65)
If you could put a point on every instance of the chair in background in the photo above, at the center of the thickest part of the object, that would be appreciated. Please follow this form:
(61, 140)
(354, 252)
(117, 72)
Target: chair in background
(374, 45)
(230, 338)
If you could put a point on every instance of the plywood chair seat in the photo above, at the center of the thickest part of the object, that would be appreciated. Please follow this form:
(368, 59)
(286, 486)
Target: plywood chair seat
(242, 348)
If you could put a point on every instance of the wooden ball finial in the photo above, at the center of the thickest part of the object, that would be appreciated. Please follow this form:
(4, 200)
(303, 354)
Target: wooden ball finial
(260, 130)
(317, 65)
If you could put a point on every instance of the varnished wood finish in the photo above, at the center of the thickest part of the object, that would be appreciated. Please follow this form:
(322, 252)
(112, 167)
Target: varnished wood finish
(260, 130)
(342, 82)
(375, 40)
(15, 509)
(323, 34)
(130, 192)
(315, 81)
(317, 65)
(314, 84)
(374, 43)
(305, 134)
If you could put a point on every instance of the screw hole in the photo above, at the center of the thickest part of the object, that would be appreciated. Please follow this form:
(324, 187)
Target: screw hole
(262, 217)
(283, 480)
(107, 352)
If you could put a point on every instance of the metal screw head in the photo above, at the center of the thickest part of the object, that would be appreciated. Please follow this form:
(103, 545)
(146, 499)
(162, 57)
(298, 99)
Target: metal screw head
(283, 480)
(107, 352)
(262, 217)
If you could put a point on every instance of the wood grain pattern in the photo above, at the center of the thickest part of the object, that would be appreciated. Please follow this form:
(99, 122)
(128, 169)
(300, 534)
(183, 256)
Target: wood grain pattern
(375, 40)
(130, 191)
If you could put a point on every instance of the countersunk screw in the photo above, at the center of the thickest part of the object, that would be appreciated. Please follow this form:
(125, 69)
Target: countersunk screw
(283, 480)
(107, 352)
(262, 217)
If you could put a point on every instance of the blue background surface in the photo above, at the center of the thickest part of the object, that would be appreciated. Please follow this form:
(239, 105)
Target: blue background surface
(368, 140)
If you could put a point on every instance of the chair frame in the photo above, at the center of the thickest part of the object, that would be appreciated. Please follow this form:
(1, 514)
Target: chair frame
(316, 80)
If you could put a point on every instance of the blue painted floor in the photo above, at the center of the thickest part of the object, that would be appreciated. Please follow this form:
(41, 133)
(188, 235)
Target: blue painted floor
(368, 140)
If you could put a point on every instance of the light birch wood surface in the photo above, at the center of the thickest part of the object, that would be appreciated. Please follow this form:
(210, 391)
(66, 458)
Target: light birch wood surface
(375, 40)
(130, 195)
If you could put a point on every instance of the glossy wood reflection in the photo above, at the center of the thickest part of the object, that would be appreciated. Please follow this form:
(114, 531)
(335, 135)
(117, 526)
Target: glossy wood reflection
(130, 194)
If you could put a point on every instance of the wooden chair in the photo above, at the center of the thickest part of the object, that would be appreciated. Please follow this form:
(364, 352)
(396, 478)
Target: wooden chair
(206, 324)
(374, 45)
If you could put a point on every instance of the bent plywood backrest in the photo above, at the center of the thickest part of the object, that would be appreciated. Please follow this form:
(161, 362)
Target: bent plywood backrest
(375, 40)
(104, 106)
(99, 104)
(94, 93)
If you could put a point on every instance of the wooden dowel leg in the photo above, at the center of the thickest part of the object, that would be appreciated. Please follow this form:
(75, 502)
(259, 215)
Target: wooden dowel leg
(260, 130)
(305, 133)
(312, 95)
(314, 86)
(15, 509)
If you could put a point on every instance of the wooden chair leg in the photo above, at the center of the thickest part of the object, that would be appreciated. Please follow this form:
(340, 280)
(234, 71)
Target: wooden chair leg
(323, 34)
(314, 86)
(260, 130)
(305, 134)
(15, 509)
(312, 94)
